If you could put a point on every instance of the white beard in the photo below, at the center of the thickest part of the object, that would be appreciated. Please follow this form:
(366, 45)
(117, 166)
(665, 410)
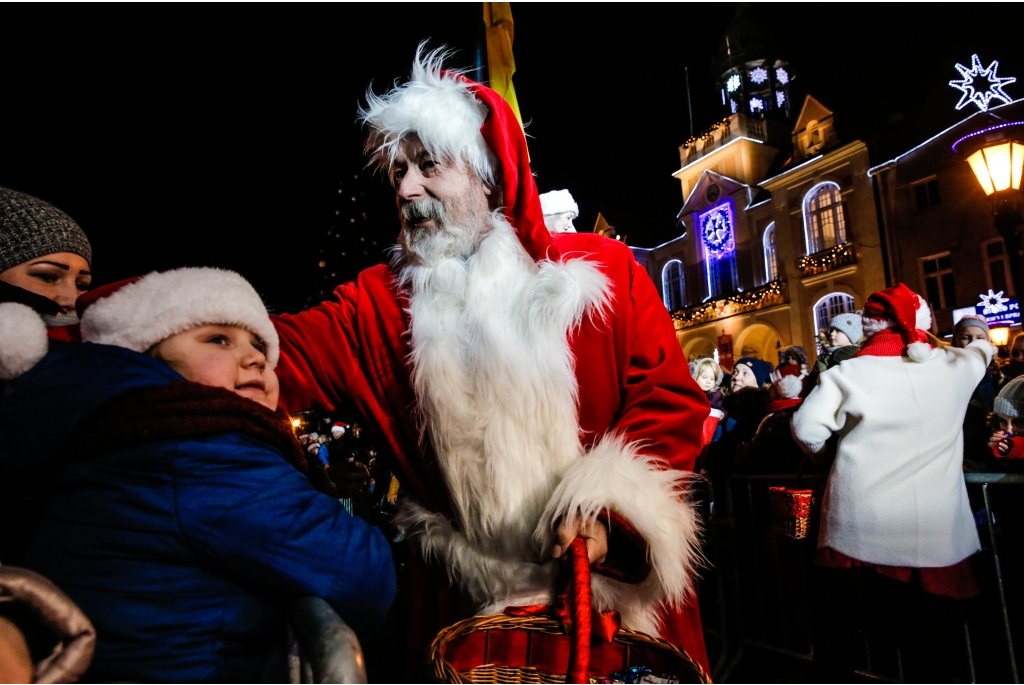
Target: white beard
(495, 381)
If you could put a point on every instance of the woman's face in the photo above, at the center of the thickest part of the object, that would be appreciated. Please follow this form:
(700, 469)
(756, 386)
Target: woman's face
(61, 277)
(742, 377)
(969, 334)
(1015, 426)
(706, 379)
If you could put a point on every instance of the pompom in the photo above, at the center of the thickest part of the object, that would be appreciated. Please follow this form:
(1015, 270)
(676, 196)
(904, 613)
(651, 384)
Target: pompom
(23, 340)
(920, 351)
(789, 387)
(923, 318)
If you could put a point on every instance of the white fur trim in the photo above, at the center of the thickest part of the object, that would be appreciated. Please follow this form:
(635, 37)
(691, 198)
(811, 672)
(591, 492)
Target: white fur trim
(921, 351)
(789, 387)
(987, 349)
(615, 475)
(438, 108)
(160, 305)
(872, 326)
(23, 340)
(923, 318)
(558, 202)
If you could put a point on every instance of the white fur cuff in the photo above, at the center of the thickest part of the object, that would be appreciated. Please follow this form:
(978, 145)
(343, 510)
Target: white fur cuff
(652, 498)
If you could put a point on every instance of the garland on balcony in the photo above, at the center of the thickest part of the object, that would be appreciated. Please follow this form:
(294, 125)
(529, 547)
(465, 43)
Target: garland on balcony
(708, 134)
(753, 299)
(826, 258)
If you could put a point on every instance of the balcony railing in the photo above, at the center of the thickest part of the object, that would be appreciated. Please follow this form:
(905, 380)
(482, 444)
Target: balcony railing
(826, 260)
(768, 295)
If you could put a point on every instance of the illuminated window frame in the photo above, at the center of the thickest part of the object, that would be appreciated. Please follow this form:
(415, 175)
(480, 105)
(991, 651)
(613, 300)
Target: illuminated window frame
(771, 259)
(672, 285)
(824, 224)
(830, 306)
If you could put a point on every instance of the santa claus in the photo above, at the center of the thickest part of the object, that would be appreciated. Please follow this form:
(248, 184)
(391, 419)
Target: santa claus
(528, 386)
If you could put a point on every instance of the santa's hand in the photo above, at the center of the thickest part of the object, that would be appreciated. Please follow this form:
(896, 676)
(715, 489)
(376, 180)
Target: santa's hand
(593, 532)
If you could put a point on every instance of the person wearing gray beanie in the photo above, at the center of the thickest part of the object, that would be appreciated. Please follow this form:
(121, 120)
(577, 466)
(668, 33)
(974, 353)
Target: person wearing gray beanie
(43, 253)
(968, 329)
(844, 334)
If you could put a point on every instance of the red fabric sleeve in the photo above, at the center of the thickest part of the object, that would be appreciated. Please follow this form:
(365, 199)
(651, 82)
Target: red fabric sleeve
(662, 406)
(1011, 447)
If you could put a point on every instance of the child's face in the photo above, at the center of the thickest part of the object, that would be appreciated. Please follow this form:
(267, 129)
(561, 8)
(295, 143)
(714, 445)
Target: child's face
(1008, 425)
(226, 357)
(706, 379)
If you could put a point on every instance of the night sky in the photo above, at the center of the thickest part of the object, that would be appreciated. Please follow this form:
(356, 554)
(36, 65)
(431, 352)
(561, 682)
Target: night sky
(198, 135)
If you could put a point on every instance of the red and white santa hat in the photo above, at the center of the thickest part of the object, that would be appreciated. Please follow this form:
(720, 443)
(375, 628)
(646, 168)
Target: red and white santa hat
(788, 381)
(458, 119)
(901, 309)
(140, 312)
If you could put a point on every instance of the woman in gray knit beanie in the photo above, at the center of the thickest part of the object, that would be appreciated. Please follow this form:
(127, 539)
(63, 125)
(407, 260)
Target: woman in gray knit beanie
(43, 254)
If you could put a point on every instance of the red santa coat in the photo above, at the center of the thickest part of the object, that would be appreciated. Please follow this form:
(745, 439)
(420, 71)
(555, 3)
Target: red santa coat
(639, 420)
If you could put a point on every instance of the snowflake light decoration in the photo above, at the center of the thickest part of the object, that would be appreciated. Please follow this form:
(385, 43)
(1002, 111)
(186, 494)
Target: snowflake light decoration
(733, 84)
(733, 106)
(993, 303)
(780, 98)
(782, 76)
(759, 75)
(756, 105)
(717, 231)
(979, 85)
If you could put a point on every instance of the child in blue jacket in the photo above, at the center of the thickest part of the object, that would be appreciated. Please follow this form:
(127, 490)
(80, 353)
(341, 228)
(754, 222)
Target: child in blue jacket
(176, 514)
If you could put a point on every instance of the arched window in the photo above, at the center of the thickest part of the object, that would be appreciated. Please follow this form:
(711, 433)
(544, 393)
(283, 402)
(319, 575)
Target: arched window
(830, 306)
(771, 263)
(672, 285)
(824, 222)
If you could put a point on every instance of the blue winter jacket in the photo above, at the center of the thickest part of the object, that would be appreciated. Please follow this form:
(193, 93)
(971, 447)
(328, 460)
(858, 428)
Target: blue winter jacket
(181, 552)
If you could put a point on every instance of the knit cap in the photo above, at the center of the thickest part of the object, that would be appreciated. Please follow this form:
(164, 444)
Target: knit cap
(849, 323)
(31, 228)
(762, 369)
(1010, 400)
(969, 321)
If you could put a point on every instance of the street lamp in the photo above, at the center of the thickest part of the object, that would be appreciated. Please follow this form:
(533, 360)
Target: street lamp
(997, 159)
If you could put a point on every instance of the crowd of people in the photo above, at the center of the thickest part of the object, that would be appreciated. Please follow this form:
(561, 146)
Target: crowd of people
(526, 392)
(882, 426)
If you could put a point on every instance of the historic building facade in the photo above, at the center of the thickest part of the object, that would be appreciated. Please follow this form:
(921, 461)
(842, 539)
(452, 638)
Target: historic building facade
(937, 220)
(779, 233)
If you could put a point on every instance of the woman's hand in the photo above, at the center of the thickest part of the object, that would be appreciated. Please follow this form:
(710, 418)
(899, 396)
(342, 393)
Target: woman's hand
(996, 438)
(593, 532)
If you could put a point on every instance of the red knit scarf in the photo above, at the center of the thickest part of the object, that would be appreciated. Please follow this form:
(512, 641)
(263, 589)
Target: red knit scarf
(179, 411)
(781, 404)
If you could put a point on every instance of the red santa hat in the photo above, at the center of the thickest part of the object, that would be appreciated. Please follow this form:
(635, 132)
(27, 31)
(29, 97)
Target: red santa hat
(461, 120)
(138, 313)
(901, 309)
(788, 381)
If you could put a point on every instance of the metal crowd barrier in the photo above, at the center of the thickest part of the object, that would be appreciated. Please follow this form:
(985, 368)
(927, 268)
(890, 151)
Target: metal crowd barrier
(755, 596)
(328, 650)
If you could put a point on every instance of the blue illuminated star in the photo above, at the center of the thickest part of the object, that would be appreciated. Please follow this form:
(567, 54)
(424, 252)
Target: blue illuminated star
(979, 85)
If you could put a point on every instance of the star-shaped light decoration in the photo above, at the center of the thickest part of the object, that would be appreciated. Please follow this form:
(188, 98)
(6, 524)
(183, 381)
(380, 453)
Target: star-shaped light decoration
(756, 105)
(979, 84)
(782, 76)
(734, 83)
(993, 303)
(759, 75)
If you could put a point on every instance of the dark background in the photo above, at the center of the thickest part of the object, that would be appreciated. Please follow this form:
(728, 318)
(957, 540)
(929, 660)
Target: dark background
(224, 135)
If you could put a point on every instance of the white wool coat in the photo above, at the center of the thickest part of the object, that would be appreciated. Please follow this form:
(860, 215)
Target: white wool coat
(896, 494)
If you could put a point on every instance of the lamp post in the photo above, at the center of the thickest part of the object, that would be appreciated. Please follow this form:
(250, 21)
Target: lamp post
(997, 159)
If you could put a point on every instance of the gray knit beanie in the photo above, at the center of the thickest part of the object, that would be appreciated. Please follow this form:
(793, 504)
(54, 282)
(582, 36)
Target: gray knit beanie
(31, 228)
(1010, 400)
(850, 324)
(971, 320)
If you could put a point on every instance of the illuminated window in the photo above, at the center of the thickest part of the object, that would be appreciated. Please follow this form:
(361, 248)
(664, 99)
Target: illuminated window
(672, 285)
(771, 262)
(937, 275)
(997, 266)
(824, 221)
(830, 306)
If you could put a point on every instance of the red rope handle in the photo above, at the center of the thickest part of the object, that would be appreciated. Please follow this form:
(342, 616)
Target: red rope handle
(579, 645)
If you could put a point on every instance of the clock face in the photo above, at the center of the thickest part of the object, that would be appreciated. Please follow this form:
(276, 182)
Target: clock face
(717, 231)
(713, 192)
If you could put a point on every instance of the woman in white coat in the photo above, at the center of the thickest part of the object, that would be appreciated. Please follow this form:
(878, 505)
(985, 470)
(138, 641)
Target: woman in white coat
(895, 500)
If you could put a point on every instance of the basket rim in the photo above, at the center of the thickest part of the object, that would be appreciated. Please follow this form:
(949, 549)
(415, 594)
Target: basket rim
(445, 672)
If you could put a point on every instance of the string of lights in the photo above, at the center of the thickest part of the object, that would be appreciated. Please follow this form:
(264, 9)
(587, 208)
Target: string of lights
(768, 295)
(708, 133)
(816, 263)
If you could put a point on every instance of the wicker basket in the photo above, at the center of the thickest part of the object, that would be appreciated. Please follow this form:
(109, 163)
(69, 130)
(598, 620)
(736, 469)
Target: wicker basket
(791, 511)
(532, 649)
